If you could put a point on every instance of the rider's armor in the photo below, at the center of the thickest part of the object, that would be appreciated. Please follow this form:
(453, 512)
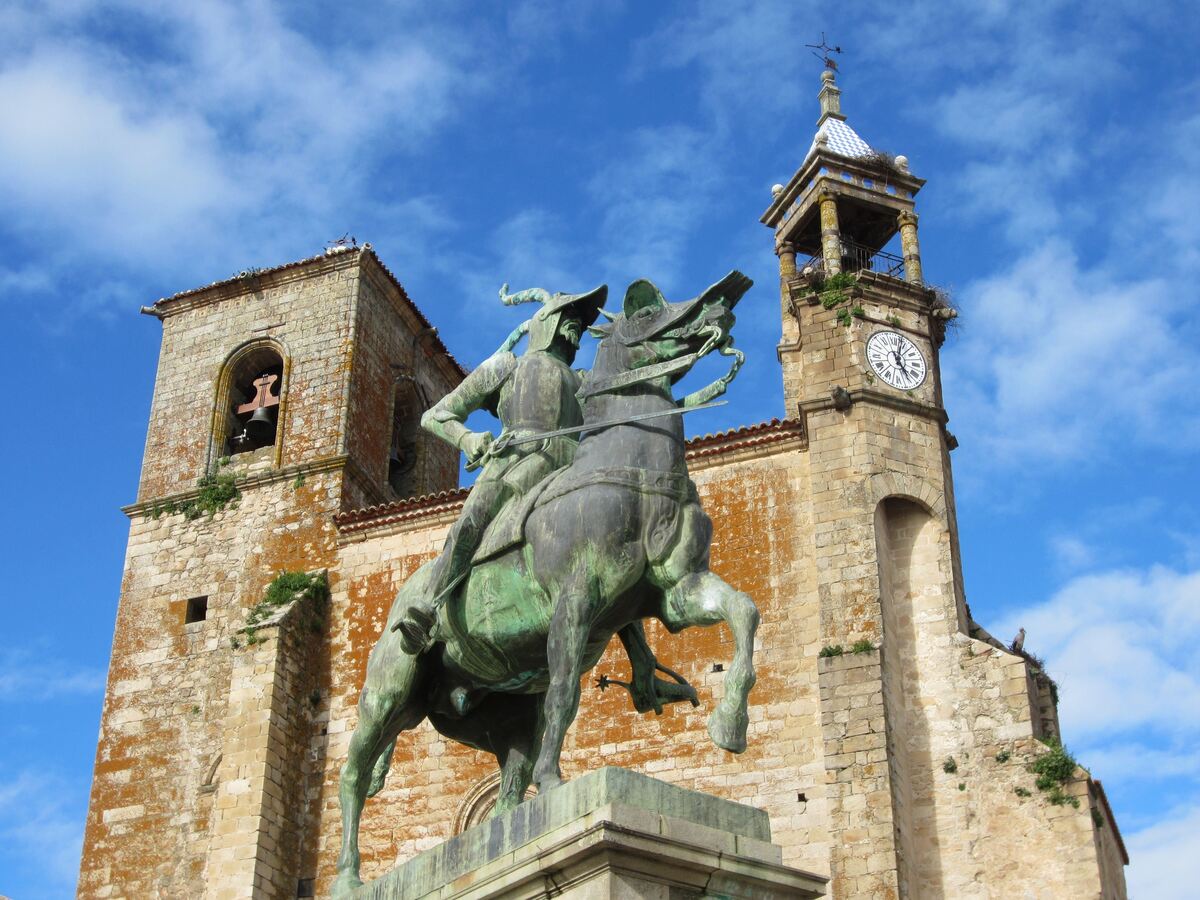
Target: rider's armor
(530, 394)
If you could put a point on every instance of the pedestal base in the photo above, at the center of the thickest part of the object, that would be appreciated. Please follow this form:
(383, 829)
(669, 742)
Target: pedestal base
(610, 834)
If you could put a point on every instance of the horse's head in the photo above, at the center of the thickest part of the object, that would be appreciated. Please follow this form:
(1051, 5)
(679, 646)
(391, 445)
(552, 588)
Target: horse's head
(652, 338)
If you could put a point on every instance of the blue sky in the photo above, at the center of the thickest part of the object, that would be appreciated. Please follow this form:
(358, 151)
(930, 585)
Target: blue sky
(147, 148)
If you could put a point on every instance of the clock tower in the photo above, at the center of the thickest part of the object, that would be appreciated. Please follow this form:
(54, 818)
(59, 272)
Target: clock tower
(861, 334)
(920, 707)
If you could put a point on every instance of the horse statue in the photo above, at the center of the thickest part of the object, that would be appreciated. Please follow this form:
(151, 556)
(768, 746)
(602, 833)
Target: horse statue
(616, 537)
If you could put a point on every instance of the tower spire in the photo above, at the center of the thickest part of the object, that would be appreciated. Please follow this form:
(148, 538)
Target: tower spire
(830, 97)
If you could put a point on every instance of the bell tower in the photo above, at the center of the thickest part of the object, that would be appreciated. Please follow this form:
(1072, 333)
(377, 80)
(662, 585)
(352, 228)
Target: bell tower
(913, 716)
(282, 397)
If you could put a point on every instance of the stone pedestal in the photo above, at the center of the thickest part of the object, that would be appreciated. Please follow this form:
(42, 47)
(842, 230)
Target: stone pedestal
(610, 834)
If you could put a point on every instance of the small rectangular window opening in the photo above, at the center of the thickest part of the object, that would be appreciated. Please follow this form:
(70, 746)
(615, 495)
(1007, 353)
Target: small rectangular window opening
(305, 888)
(197, 610)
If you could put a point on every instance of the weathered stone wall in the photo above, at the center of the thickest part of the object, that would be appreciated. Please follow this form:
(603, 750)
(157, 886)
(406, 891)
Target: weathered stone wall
(169, 709)
(217, 766)
(307, 312)
(201, 774)
(919, 802)
(263, 818)
(392, 349)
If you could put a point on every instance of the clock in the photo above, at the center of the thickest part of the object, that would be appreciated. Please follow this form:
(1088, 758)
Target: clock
(896, 360)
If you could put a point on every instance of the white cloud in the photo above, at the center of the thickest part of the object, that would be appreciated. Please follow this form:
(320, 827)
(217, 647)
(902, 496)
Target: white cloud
(745, 72)
(652, 198)
(27, 676)
(1128, 762)
(1121, 644)
(38, 833)
(1071, 552)
(1058, 360)
(81, 164)
(225, 125)
(1165, 857)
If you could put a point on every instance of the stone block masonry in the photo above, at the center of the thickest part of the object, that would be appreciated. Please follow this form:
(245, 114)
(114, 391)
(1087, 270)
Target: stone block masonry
(900, 771)
(609, 834)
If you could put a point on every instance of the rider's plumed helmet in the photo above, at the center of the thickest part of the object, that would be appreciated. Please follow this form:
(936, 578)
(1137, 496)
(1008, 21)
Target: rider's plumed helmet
(544, 324)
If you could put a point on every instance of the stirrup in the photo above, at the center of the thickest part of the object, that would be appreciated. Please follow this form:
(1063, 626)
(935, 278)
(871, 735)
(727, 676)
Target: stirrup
(414, 639)
(422, 617)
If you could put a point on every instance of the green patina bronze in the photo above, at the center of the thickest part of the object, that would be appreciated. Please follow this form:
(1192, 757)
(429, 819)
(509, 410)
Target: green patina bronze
(564, 541)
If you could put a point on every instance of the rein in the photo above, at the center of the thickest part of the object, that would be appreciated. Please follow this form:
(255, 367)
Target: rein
(592, 387)
(637, 376)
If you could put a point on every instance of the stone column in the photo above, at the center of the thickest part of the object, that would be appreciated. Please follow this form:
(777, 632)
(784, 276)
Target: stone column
(790, 337)
(858, 777)
(787, 270)
(910, 247)
(831, 234)
(787, 260)
(256, 844)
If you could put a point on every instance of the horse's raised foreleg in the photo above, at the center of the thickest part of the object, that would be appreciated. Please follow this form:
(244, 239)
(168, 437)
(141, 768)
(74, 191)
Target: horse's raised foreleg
(703, 598)
(384, 710)
(564, 651)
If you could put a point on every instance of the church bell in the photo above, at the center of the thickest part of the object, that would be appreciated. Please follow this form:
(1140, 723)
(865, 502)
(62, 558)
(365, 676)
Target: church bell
(261, 426)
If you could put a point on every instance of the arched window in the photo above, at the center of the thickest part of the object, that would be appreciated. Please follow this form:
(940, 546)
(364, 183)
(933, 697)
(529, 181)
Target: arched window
(248, 404)
(407, 442)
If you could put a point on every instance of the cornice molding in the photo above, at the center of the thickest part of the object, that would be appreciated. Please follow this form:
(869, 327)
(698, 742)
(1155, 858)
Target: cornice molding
(258, 479)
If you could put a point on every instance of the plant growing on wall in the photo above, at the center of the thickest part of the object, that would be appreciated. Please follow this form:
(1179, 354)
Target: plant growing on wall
(1054, 769)
(836, 293)
(309, 590)
(215, 491)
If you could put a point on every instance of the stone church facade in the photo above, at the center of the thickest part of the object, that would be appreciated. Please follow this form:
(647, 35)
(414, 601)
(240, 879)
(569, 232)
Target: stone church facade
(890, 734)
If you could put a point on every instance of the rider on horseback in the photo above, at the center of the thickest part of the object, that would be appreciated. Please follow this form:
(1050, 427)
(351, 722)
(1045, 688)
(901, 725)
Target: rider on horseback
(532, 394)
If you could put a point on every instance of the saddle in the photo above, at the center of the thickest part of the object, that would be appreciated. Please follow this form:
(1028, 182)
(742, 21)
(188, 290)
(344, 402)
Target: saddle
(507, 530)
(661, 493)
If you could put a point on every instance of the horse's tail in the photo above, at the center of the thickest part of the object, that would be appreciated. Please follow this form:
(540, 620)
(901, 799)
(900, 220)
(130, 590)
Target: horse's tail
(380, 770)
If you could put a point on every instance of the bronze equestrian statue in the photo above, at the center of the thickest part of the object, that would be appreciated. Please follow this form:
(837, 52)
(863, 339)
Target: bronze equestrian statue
(615, 537)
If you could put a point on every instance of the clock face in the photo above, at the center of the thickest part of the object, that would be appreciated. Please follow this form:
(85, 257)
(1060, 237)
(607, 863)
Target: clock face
(896, 360)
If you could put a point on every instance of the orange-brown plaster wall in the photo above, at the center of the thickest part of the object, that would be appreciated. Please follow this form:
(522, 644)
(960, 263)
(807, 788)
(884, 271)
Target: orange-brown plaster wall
(759, 522)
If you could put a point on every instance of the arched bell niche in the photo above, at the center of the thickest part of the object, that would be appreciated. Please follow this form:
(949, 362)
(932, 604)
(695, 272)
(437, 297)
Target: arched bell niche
(407, 448)
(249, 401)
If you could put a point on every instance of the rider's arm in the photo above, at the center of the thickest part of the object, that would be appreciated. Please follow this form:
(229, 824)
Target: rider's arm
(446, 418)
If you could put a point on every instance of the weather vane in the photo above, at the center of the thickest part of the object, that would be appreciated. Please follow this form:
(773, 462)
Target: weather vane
(830, 62)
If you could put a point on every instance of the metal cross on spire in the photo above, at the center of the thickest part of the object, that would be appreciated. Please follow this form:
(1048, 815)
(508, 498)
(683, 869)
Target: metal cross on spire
(830, 62)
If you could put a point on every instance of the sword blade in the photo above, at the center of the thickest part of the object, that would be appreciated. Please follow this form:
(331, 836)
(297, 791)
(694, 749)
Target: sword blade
(596, 426)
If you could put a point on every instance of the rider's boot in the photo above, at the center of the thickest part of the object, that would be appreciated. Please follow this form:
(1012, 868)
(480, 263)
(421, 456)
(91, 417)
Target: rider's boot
(418, 627)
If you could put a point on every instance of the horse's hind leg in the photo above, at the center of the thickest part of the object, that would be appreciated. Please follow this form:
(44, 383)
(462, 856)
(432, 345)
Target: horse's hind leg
(509, 726)
(703, 598)
(385, 709)
(564, 652)
(519, 750)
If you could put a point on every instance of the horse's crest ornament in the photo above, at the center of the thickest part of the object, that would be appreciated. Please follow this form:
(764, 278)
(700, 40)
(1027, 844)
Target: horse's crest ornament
(490, 646)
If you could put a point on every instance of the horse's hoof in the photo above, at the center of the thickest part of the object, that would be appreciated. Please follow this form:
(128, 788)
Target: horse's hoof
(345, 885)
(728, 731)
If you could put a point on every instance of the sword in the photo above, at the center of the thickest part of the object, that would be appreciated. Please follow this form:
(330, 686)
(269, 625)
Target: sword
(507, 440)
